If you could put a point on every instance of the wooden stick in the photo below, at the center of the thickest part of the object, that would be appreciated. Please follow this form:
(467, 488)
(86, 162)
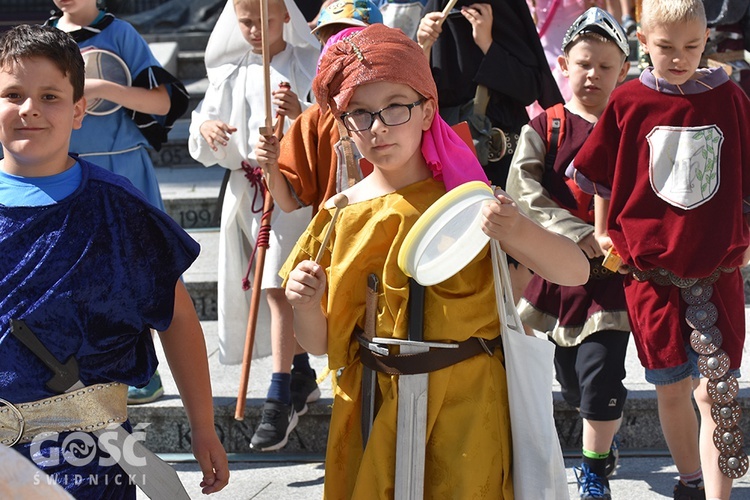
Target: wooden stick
(252, 321)
(451, 3)
(268, 129)
(340, 201)
(260, 255)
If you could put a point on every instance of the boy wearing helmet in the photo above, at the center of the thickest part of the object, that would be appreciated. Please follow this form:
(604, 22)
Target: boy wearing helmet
(587, 323)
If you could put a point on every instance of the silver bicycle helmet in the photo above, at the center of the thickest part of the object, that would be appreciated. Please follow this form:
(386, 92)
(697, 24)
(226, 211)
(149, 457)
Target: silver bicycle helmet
(599, 21)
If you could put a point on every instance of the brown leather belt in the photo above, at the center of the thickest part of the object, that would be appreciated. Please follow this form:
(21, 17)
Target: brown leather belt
(430, 361)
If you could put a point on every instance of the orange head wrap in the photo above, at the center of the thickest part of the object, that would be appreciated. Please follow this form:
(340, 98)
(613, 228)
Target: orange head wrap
(375, 54)
(382, 54)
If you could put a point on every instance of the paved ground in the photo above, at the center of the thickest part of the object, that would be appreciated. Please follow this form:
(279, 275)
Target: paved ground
(637, 478)
(641, 475)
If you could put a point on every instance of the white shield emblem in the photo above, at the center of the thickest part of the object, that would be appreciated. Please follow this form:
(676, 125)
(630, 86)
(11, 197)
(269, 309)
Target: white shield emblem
(684, 164)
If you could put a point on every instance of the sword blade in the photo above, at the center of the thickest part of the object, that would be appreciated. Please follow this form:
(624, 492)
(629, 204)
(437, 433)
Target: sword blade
(156, 478)
(411, 430)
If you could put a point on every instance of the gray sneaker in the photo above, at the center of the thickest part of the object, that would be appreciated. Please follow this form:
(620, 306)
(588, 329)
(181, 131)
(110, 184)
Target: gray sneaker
(304, 390)
(277, 422)
(612, 459)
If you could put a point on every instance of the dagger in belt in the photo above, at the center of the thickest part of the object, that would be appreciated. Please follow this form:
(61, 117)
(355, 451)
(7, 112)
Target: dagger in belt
(163, 481)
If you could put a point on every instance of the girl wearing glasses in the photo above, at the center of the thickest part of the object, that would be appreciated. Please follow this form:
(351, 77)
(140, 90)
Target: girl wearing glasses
(378, 83)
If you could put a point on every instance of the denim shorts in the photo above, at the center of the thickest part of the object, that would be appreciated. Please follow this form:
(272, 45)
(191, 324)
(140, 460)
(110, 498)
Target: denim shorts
(666, 376)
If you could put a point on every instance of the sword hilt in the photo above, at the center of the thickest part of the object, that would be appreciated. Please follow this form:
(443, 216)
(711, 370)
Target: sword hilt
(416, 311)
(65, 374)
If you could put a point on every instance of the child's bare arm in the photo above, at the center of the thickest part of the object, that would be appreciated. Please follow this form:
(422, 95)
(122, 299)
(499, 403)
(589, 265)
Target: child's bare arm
(601, 209)
(552, 256)
(267, 155)
(154, 101)
(185, 350)
(304, 291)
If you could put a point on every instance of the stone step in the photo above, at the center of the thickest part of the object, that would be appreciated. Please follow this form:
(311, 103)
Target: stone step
(190, 194)
(168, 430)
(186, 41)
(174, 153)
(200, 279)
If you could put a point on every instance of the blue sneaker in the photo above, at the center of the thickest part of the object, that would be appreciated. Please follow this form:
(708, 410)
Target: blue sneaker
(591, 486)
(147, 394)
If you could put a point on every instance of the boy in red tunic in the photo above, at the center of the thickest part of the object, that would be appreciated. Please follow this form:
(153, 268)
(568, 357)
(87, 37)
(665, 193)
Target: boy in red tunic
(668, 160)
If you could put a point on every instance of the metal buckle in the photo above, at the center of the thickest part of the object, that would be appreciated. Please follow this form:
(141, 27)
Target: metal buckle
(371, 346)
(484, 346)
(402, 342)
(19, 416)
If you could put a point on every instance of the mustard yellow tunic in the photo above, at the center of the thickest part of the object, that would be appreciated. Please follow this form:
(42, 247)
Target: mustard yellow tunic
(468, 428)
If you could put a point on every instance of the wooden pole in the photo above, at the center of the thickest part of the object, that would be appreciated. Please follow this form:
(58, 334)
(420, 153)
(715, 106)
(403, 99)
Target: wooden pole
(265, 226)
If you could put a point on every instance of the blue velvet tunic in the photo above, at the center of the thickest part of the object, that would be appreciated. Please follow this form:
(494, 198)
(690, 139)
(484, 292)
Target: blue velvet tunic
(90, 275)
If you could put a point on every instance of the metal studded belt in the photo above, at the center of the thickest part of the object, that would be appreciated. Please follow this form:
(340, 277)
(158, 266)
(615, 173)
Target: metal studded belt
(713, 363)
(502, 144)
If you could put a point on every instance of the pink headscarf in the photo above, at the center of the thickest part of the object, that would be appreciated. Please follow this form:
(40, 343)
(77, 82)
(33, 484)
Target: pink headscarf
(378, 53)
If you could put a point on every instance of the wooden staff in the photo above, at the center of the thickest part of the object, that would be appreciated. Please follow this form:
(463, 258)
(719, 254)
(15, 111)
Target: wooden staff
(265, 227)
(339, 201)
(428, 45)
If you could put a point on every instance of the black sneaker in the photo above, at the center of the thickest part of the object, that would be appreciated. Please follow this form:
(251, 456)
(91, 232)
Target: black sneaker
(277, 422)
(590, 485)
(685, 492)
(614, 454)
(304, 390)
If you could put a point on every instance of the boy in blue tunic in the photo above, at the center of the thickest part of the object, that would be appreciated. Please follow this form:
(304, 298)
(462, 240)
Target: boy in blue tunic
(117, 140)
(89, 267)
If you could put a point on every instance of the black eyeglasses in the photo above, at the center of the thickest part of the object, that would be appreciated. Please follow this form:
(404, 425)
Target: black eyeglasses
(395, 114)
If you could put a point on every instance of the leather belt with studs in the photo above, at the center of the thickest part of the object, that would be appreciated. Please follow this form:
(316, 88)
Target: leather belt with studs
(713, 363)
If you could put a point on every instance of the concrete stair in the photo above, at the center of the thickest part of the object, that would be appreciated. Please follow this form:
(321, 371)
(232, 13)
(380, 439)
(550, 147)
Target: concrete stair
(190, 192)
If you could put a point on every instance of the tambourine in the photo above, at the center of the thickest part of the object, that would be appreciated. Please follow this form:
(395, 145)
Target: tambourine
(447, 236)
(105, 65)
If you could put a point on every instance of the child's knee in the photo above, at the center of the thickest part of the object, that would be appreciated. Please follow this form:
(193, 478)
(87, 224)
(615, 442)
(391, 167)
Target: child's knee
(675, 392)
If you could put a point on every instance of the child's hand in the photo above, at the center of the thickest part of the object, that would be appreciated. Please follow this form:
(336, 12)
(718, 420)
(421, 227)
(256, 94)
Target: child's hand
(429, 29)
(604, 242)
(216, 133)
(212, 459)
(305, 285)
(267, 153)
(286, 102)
(500, 218)
(480, 17)
(590, 246)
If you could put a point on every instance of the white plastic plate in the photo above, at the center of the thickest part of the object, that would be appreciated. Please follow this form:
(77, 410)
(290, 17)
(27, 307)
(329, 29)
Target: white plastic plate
(447, 236)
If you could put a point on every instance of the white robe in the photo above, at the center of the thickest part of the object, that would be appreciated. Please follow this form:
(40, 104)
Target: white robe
(236, 96)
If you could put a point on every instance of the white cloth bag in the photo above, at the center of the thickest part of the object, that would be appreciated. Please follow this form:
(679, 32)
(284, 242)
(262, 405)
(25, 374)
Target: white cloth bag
(538, 466)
